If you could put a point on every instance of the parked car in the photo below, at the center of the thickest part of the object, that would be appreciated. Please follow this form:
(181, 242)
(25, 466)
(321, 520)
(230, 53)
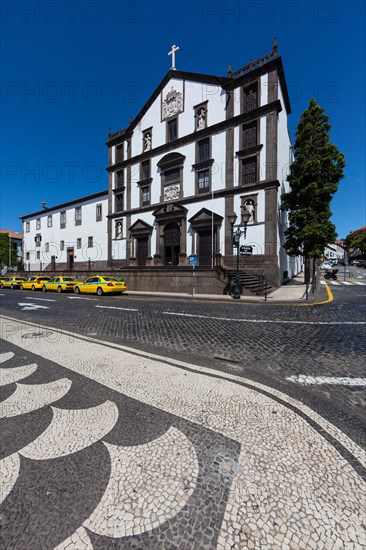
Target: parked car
(101, 285)
(326, 265)
(359, 263)
(12, 282)
(60, 284)
(34, 283)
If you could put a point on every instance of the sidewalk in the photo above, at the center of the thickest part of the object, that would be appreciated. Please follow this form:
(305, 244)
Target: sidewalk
(292, 292)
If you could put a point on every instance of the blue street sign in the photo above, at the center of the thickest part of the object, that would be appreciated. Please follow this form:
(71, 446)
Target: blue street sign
(193, 260)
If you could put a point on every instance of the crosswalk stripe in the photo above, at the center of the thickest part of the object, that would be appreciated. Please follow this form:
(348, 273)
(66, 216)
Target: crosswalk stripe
(362, 284)
(346, 283)
(334, 283)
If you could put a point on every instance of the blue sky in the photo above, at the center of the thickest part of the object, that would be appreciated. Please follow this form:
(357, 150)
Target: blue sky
(71, 70)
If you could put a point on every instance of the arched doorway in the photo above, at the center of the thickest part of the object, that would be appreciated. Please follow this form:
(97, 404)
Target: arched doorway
(171, 244)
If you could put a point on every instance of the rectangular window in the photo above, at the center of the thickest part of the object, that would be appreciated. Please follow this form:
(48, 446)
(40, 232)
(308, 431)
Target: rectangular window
(47, 247)
(49, 221)
(145, 195)
(249, 170)
(118, 202)
(78, 215)
(38, 223)
(119, 178)
(27, 256)
(172, 176)
(62, 245)
(203, 150)
(172, 129)
(38, 239)
(119, 153)
(250, 135)
(78, 243)
(145, 170)
(99, 213)
(250, 98)
(38, 255)
(27, 227)
(63, 219)
(90, 242)
(203, 181)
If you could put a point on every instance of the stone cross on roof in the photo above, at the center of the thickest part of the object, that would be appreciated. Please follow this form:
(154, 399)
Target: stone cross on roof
(172, 53)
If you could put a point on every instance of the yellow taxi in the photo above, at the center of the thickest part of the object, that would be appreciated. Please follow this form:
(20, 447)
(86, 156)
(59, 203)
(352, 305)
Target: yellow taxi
(60, 284)
(12, 282)
(34, 283)
(101, 285)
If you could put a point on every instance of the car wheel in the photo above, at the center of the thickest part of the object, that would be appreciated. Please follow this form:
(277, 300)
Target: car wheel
(2, 286)
(21, 287)
(59, 289)
(33, 287)
(12, 287)
(44, 289)
(77, 290)
(99, 291)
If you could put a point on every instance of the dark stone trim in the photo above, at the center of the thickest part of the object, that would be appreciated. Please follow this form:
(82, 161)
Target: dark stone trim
(119, 189)
(65, 204)
(249, 152)
(172, 160)
(228, 124)
(202, 104)
(202, 165)
(145, 182)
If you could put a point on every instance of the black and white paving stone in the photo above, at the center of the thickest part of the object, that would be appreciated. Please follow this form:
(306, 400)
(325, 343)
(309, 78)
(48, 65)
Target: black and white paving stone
(104, 447)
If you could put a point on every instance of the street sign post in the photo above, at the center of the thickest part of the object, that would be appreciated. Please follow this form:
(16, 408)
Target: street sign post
(246, 250)
(193, 260)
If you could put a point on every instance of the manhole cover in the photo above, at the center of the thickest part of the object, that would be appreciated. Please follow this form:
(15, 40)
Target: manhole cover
(37, 334)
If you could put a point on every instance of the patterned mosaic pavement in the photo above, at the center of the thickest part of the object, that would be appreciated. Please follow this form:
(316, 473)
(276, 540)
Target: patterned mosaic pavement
(104, 447)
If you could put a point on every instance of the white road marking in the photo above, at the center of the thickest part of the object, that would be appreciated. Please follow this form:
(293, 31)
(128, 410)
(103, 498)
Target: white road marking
(31, 306)
(346, 283)
(121, 308)
(358, 283)
(39, 299)
(280, 321)
(333, 283)
(80, 298)
(334, 380)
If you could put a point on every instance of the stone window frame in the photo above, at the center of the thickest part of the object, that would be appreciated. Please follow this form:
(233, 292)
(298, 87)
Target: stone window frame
(119, 200)
(38, 223)
(38, 239)
(253, 83)
(27, 256)
(119, 153)
(209, 156)
(168, 122)
(207, 188)
(144, 134)
(119, 179)
(242, 130)
(98, 217)
(90, 242)
(62, 219)
(49, 220)
(78, 243)
(197, 108)
(78, 215)
(243, 200)
(38, 255)
(245, 159)
(62, 245)
(27, 227)
(143, 191)
(172, 161)
(145, 174)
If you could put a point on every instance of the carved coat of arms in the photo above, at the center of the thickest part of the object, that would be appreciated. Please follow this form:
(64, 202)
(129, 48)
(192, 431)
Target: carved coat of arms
(172, 104)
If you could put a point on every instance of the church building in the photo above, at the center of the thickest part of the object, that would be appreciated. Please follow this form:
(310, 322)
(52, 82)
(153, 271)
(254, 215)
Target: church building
(202, 147)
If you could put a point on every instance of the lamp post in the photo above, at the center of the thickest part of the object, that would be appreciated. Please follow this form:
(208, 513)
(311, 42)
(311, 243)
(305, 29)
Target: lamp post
(246, 215)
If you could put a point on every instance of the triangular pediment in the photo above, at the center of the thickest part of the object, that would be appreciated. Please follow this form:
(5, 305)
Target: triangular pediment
(204, 218)
(170, 211)
(140, 227)
(172, 74)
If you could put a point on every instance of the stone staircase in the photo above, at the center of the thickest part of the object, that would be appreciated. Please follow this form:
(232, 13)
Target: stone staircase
(250, 283)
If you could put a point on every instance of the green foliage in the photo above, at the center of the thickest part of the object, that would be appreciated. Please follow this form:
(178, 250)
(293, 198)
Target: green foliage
(4, 251)
(356, 241)
(314, 177)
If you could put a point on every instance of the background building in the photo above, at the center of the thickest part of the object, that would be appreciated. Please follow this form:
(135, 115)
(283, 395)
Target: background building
(70, 236)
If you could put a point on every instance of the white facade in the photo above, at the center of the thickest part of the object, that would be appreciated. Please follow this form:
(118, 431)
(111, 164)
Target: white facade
(201, 147)
(66, 236)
